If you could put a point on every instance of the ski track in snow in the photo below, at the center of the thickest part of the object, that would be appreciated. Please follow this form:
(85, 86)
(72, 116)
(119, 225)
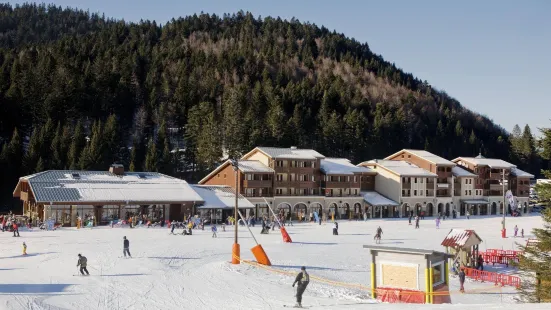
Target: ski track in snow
(194, 272)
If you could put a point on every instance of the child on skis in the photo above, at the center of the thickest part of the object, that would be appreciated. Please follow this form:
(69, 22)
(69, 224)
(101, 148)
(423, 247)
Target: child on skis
(24, 249)
(214, 229)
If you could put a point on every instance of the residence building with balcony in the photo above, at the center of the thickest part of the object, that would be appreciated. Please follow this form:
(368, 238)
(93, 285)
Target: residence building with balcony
(434, 164)
(494, 178)
(410, 186)
(466, 197)
(300, 181)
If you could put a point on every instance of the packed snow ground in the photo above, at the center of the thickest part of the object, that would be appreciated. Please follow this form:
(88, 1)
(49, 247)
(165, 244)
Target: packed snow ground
(193, 272)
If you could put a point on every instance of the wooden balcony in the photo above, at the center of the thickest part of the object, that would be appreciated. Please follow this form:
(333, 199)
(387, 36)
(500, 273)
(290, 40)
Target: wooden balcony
(444, 174)
(257, 183)
(407, 185)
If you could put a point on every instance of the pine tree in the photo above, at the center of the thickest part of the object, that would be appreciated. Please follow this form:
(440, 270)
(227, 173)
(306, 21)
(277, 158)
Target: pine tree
(111, 142)
(151, 158)
(33, 152)
(57, 160)
(92, 154)
(535, 264)
(234, 127)
(78, 142)
(39, 165)
(275, 120)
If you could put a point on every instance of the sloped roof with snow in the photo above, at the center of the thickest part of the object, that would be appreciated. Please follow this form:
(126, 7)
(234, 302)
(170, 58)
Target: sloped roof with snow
(375, 199)
(460, 238)
(341, 166)
(277, 152)
(483, 161)
(427, 156)
(402, 168)
(251, 166)
(460, 172)
(521, 174)
(73, 186)
(220, 197)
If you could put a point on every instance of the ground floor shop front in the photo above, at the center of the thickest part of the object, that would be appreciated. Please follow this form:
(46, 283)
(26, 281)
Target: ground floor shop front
(67, 215)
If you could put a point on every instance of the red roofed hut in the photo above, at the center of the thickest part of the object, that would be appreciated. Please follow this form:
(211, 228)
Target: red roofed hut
(463, 244)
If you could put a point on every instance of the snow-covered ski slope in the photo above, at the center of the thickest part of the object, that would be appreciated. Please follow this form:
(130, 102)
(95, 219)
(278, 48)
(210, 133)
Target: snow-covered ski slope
(193, 272)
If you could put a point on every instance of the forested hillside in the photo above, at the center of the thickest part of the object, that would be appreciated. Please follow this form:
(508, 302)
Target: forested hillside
(81, 91)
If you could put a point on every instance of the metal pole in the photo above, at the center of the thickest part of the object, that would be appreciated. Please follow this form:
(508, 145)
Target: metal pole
(236, 199)
(247, 224)
(503, 182)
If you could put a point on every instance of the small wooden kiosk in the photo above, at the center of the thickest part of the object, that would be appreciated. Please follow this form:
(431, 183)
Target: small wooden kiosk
(402, 275)
(463, 245)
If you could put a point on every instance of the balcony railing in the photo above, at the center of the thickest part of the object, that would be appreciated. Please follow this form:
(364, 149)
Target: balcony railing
(257, 183)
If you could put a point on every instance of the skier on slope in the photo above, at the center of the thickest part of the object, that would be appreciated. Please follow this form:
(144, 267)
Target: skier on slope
(336, 229)
(126, 247)
(82, 261)
(379, 232)
(302, 279)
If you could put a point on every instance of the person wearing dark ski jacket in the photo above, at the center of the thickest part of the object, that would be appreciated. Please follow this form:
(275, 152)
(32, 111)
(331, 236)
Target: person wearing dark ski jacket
(126, 246)
(303, 278)
(462, 280)
(82, 261)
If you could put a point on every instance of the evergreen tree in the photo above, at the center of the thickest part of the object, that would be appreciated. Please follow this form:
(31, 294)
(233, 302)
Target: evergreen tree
(39, 166)
(535, 264)
(151, 158)
(33, 152)
(111, 142)
(91, 158)
(78, 142)
(234, 127)
(57, 159)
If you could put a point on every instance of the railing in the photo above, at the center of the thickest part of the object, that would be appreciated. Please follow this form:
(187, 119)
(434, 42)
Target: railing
(493, 277)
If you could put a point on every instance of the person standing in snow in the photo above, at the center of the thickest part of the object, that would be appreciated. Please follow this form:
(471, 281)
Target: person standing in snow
(516, 230)
(409, 219)
(522, 233)
(24, 249)
(126, 247)
(214, 229)
(336, 229)
(15, 229)
(437, 222)
(302, 279)
(468, 214)
(461, 281)
(82, 262)
(417, 221)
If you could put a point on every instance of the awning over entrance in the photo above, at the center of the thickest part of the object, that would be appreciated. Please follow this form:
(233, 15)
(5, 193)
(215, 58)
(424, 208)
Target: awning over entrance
(220, 197)
(475, 201)
(375, 199)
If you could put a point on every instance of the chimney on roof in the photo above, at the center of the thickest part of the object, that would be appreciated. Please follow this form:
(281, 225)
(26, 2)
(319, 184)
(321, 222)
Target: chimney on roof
(293, 147)
(116, 169)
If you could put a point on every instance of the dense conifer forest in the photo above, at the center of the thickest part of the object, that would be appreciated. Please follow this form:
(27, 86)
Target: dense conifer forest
(81, 91)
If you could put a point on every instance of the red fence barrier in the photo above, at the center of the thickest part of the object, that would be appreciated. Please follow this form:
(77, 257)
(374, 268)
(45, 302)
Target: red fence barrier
(503, 257)
(494, 277)
(393, 295)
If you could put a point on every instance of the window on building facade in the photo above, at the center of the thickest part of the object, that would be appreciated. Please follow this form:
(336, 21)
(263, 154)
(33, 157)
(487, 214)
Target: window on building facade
(218, 175)
(348, 179)
(466, 192)
(415, 181)
(414, 192)
(224, 175)
(249, 177)
(355, 179)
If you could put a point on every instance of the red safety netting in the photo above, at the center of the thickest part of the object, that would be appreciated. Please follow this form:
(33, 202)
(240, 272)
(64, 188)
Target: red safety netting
(493, 277)
(393, 295)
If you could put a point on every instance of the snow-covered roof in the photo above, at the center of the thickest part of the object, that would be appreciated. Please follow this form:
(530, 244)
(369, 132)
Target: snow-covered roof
(402, 168)
(220, 197)
(490, 162)
(460, 172)
(375, 199)
(73, 186)
(427, 156)
(521, 174)
(253, 166)
(276, 152)
(460, 237)
(341, 166)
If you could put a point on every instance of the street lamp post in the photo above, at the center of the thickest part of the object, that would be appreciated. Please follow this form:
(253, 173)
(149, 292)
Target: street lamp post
(235, 248)
(503, 231)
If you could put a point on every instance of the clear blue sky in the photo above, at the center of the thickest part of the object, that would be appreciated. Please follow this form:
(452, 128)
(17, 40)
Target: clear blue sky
(492, 55)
